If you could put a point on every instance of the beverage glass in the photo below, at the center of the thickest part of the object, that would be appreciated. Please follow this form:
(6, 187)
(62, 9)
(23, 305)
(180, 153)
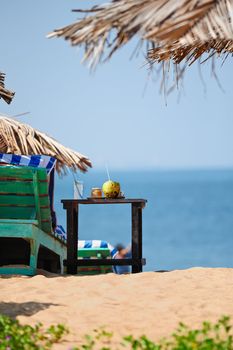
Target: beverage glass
(78, 189)
(96, 192)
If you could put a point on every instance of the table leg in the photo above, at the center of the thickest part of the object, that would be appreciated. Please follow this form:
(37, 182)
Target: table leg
(72, 238)
(136, 236)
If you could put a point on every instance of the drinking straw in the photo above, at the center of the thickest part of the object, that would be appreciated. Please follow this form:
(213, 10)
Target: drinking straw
(106, 166)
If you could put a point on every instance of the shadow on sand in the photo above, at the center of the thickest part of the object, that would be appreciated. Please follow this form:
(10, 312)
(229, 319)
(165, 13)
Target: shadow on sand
(24, 309)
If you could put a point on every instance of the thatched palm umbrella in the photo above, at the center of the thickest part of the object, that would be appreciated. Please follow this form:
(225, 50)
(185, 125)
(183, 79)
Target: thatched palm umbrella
(172, 29)
(22, 139)
(7, 95)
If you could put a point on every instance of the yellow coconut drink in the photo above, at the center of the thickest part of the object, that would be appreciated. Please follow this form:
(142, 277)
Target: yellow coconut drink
(111, 189)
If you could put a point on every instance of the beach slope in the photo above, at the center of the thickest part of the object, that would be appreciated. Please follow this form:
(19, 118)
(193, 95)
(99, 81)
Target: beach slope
(148, 303)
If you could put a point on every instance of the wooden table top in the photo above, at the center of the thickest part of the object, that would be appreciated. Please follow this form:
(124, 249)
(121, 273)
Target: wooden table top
(104, 201)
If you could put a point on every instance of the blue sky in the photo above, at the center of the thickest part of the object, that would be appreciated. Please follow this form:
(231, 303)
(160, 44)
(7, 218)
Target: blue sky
(105, 115)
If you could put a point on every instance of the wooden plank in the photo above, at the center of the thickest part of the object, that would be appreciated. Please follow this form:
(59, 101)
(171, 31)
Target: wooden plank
(21, 187)
(26, 271)
(46, 227)
(22, 172)
(93, 252)
(46, 222)
(113, 262)
(4, 178)
(17, 213)
(72, 238)
(45, 213)
(102, 201)
(24, 200)
(18, 221)
(36, 197)
(22, 194)
(136, 236)
(22, 205)
(15, 187)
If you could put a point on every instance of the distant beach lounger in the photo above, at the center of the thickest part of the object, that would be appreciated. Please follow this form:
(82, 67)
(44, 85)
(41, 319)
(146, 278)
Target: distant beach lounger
(89, 249)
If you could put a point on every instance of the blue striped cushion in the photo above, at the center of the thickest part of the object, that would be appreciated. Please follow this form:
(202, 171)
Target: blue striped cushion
(60, 233)
(36, 161)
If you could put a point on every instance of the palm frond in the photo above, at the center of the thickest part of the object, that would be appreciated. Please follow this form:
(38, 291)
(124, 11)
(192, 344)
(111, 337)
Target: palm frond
(19, 138)
(212, 33)
(173, 29)
(7, 95)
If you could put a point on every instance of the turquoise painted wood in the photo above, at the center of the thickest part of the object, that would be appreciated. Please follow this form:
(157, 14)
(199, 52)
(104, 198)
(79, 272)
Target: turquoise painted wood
(94, 252)
(26, 190)
(36, 237)
(25, 214)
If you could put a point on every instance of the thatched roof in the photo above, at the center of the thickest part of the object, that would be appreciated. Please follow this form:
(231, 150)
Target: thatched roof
(19, 138)
(172, 29)
(7, 95)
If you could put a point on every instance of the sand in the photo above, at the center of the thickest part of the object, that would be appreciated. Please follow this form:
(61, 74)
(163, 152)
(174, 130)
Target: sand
(148, 303)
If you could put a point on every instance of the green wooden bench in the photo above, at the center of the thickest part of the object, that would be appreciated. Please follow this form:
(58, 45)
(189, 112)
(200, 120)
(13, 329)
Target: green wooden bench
(26, 238)
(96, 253)
(90, 253)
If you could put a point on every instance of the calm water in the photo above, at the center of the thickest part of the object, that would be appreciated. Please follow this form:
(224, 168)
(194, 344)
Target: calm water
(187, 222)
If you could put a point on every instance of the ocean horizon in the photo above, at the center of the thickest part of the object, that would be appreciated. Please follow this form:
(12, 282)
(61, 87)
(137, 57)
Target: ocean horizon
(187, 222)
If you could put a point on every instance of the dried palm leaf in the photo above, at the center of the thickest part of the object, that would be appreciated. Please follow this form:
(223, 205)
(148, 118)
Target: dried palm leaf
(173, 29)
(19, 138)
(7, 95)
(211, 34)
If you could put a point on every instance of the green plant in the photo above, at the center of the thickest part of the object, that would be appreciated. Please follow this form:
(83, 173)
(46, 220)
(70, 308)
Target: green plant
(14, 336)
(209, 337)
(101, 337)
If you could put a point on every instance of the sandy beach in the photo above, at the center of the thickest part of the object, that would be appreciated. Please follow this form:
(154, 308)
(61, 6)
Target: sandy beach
(147, 303)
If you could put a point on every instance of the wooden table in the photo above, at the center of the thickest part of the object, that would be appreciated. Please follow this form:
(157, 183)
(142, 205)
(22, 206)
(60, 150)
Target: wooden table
(72, 209)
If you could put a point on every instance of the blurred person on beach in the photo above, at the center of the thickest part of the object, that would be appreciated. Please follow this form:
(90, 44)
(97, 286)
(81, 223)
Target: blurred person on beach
(123, 253)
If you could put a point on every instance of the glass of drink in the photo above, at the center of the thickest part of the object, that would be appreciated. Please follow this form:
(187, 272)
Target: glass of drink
(78, 189)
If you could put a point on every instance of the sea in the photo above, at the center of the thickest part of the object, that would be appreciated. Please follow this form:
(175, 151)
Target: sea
(187, 222)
